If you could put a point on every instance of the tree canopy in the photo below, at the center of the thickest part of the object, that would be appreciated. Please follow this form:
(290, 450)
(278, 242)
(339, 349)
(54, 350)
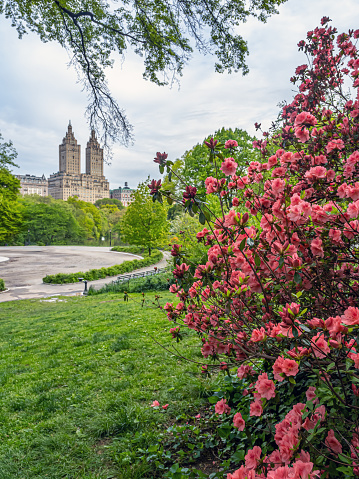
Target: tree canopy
(10, 210)
(145, 222)
(163, 33)
(50, 222)
(193, 167)
(109, 201)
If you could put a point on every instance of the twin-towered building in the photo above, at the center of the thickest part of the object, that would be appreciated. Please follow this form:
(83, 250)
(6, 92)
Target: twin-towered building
(69, 181)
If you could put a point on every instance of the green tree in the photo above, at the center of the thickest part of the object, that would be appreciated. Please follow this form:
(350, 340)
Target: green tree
(89, 218)
(145, 222)
(50, 222)
(109, 201)
(10, 208)
(194, 166)
(162, 33)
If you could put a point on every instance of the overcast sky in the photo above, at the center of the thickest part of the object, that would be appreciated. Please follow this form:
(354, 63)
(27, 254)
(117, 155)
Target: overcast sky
(39, 93)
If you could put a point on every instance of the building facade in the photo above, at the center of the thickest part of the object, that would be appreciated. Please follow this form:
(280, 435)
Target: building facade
(122, 194)
(69, 181)
(33, 185)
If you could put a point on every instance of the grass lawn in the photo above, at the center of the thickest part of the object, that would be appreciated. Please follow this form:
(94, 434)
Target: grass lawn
(77, 377)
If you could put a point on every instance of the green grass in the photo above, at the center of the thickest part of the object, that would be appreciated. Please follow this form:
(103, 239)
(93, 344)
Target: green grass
(77, 377)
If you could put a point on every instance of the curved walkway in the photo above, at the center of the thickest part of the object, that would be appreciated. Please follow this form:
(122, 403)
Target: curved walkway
(23, 267)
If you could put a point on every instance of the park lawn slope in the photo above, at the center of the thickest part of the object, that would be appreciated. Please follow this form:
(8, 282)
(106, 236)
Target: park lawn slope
(77, 376)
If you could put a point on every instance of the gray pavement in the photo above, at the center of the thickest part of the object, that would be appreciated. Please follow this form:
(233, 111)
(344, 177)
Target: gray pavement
(23, 267)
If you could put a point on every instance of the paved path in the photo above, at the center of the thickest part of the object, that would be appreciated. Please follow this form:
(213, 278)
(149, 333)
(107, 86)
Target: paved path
(23, 267)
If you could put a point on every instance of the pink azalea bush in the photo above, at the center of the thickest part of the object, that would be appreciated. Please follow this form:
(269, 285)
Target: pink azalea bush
(277, 296)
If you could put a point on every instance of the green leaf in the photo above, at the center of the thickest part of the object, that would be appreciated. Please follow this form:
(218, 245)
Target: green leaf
(281, 261)
(202, 218)
(345, 459)
(257, 260)
(297, 278)
(238, 456)
(242, 245)
(310, 405)
(207, 214)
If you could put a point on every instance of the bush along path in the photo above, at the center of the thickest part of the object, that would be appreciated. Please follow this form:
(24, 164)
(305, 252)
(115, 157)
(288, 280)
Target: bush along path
(2, 285)
(94, 274)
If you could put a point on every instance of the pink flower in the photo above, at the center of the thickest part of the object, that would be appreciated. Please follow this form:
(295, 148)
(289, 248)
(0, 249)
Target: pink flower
(222, 407)
(351, 316)
(334, 145)
(320, 346)
(332, 443)
(241, 473)
(310, 394)
(305, 118)
(288, 367)
(278, 186)
(258, 335)
(256, 408)
(244, 370)
(265, 386)
(252, 457)
(229, 166)
(302, 134)
(238, 421)
(353, 209)
(155, 404)
(316, 173)
(198, 416)
(231, 219)
(316, 247)
(302, 469)
(211, 185)
(165, 406)
(230, 144)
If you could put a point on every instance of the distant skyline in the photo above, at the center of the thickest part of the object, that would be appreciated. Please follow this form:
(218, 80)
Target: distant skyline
(39, 94)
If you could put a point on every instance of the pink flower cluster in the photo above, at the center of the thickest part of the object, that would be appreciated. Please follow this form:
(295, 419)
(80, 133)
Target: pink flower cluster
(279, 281)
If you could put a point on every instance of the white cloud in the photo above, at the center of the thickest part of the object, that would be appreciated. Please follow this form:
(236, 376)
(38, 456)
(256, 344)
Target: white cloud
(39, 94)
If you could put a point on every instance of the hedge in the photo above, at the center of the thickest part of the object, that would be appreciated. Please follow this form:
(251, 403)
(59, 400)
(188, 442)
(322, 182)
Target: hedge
(2, 285)
(93, 274)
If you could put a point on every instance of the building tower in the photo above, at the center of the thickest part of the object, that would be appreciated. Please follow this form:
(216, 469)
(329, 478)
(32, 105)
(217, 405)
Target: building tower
(70, 154)
(94, 157)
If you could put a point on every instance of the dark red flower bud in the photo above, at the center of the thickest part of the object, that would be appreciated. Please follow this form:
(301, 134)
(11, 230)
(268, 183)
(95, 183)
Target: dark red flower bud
(190, 193)
(211, 144)
(154, 186)
(175, 250)
(161, 158)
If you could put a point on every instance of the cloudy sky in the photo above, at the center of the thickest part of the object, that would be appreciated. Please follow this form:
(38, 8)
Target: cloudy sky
(39, 93)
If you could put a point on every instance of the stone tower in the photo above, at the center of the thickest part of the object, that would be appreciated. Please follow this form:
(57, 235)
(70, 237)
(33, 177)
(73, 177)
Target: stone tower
(70, 154)
(94, 157)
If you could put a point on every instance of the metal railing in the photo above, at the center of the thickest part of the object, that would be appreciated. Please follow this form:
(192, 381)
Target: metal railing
(127, 277)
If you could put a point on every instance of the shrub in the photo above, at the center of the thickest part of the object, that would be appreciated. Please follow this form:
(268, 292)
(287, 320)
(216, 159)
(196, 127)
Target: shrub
(94, 274)
(157, 282)
(2, 285)
(278, 293)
